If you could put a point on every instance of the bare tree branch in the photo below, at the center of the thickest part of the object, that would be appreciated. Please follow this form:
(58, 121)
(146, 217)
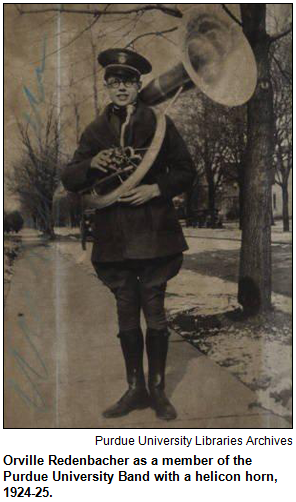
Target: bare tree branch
(284, 33)
(230, 14)
(88, 27)
(18, 8)
(33, 176)
(151, 33)
(171, 11)
(284, 73)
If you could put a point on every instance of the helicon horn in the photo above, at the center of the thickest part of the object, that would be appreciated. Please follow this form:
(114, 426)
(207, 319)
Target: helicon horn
(215, 57)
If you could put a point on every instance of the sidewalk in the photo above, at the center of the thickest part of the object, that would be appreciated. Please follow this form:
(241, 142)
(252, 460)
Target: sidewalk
(63, 363)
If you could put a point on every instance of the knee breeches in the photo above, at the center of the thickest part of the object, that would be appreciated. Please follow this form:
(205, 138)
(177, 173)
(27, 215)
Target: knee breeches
(139, 285)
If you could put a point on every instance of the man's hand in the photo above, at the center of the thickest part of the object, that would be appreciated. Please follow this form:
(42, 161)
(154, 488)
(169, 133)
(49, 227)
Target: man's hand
(102, 161)
(140, 195)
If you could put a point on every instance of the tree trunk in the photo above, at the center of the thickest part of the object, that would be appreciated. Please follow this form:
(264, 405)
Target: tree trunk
(255, 260)
(188, 205)
(95, 71)
(285, 195)
(240, 201)
(211, 192)
(49, 222)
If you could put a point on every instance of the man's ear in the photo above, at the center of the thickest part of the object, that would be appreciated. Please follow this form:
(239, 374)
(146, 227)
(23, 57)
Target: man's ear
(139, 85)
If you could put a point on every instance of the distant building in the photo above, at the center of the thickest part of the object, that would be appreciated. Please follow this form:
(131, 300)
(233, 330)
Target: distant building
(227, 200)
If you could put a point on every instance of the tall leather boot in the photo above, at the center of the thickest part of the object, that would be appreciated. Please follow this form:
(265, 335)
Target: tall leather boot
(157, 348)
(136, 397)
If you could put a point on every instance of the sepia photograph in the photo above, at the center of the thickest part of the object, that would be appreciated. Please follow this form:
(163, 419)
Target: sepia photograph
(147, 216)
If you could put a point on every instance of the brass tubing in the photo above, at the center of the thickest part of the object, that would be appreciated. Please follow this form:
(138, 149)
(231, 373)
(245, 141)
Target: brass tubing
(166, 85)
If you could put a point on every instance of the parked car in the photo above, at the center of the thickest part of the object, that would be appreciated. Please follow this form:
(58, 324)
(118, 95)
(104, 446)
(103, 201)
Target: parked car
(13, 222)
(205, 218)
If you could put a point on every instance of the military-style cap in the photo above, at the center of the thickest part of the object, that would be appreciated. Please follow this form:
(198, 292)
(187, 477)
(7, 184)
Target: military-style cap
(124, 60)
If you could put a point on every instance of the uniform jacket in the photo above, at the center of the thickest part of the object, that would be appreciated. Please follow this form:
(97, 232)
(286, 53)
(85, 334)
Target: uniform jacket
(123, 231)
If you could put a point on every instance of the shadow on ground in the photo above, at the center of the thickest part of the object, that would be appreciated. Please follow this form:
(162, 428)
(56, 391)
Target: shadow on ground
(225, 265)
(256, 350)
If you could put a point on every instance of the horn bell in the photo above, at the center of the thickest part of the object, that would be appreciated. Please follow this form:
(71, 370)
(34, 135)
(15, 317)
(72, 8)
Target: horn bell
(216, 57)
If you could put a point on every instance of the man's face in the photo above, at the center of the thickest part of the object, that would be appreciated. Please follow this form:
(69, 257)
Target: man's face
(123, 88)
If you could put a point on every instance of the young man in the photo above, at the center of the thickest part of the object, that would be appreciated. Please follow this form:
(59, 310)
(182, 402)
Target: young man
(138, 241)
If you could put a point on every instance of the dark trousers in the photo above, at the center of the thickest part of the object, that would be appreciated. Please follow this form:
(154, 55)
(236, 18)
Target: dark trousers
(139, 285)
